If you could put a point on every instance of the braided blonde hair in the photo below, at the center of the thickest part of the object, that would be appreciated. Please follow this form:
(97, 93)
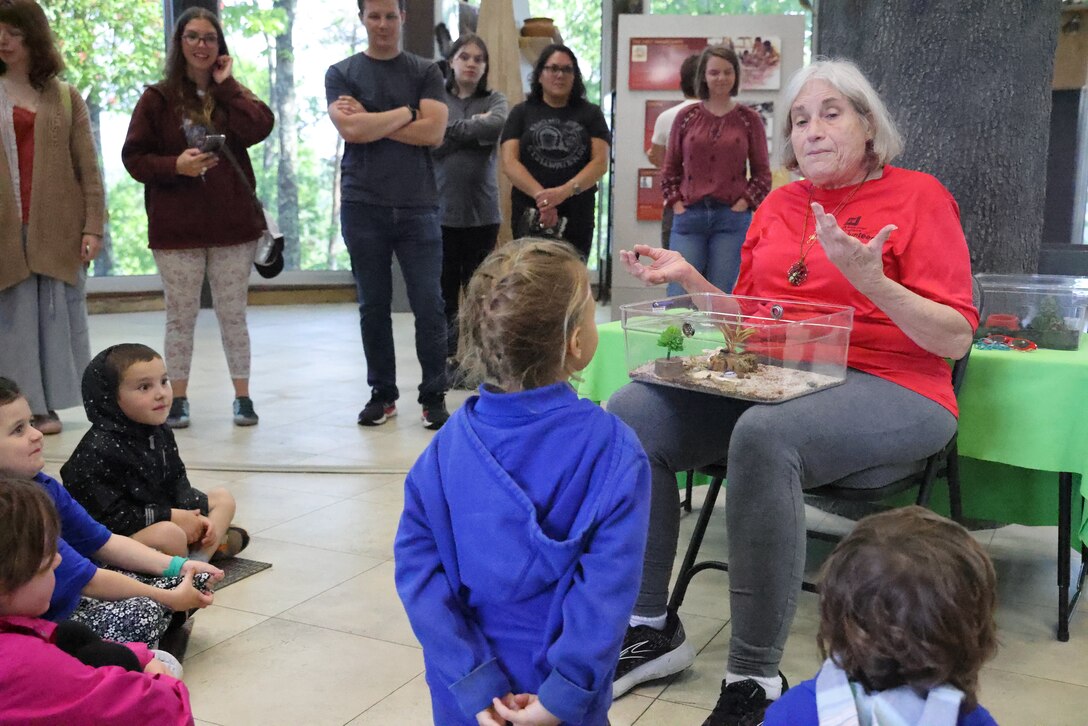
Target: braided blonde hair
(520, 310)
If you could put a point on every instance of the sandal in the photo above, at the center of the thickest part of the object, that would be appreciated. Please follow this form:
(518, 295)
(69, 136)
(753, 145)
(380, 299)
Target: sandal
(48, 423)
(237, 539)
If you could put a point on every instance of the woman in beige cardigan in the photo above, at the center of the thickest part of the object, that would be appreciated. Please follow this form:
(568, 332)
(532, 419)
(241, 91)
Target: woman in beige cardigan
(52, 210)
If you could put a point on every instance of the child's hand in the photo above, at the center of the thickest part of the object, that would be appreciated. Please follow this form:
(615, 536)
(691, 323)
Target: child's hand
(196, 567)
(211, 535)
(186, 597)
(488, 717)
(189, 521)
(524, 709)
(156, 667)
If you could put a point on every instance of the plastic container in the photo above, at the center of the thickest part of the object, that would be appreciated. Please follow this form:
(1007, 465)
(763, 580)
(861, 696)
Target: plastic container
(753, 349)
(1048, 310)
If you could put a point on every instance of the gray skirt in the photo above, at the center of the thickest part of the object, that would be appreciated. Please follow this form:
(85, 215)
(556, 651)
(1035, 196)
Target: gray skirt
(44, 341)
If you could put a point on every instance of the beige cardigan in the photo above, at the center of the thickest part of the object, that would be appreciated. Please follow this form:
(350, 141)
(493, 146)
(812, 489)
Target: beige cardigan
(66, 200)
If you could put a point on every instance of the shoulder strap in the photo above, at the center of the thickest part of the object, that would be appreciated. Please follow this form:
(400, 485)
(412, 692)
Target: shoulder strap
(66, 101)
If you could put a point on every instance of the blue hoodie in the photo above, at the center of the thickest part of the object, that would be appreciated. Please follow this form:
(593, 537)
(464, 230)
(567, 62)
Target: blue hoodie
(519, 552)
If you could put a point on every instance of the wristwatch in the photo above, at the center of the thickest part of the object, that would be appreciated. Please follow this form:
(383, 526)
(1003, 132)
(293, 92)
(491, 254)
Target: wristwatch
(576, 188)
(414, 112)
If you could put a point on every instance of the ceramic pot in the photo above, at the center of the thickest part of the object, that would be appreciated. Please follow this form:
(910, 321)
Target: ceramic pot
(538, 28)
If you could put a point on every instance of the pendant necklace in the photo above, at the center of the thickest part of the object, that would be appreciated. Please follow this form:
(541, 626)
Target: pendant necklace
(798, 272)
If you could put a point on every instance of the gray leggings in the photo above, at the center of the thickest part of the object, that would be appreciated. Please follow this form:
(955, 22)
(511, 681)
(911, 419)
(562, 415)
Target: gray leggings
(773, 453)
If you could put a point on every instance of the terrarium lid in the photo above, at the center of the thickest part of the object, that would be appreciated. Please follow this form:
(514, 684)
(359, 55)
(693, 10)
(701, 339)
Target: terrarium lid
(1078, 286)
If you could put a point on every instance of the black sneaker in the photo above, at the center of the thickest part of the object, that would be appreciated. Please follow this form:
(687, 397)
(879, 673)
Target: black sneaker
(376, 412)
(179, 414)
(648, 654)
(741, 704)
(244, 415)
(435, 414)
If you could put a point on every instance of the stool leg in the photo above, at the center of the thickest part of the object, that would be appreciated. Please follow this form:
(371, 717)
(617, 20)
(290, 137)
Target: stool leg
(955, 500)
(684, 578)
(687, 493)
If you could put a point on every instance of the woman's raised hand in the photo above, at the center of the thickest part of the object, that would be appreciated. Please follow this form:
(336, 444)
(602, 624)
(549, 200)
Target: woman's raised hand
(861, 263)
(224, 66)
(667, 265)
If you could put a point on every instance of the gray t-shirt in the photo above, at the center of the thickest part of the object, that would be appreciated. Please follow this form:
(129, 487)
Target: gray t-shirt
(386, 172)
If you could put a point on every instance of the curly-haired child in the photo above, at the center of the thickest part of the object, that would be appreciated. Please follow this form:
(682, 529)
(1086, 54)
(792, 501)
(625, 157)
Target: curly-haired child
(907, 606)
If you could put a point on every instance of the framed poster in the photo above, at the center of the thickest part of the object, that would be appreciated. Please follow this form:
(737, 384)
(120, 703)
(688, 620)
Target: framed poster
(655, 62)
(653, 110)
(650, 201)
(760, 62)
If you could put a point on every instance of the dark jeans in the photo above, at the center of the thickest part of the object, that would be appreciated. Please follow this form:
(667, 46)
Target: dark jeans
(580, 211)
(463, 249)
(709, 234)
(372, 235)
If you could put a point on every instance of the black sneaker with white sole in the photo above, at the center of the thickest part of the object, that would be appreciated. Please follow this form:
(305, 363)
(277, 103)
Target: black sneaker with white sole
(742, 703)
(648, 653)
(377, 411)
(435, 414)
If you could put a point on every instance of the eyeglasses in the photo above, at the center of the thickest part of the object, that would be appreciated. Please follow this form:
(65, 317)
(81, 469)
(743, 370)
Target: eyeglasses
(197, 39)
(560, 70)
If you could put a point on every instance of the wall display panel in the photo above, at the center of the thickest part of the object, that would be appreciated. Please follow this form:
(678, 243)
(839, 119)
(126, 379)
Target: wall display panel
(648, 82)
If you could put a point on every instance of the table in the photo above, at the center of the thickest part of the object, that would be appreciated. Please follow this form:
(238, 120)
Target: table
(1023, 419)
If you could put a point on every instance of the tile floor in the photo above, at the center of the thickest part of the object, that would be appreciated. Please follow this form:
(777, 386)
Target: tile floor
(321, 639)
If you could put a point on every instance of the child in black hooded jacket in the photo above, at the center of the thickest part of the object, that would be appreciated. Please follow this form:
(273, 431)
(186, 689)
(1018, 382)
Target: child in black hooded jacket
(127, 472)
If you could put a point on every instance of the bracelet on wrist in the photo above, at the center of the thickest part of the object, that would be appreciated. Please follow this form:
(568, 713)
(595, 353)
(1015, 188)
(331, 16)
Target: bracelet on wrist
(174, 569)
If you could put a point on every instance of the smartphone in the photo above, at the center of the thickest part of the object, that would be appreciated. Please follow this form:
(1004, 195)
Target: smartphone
(213, 142)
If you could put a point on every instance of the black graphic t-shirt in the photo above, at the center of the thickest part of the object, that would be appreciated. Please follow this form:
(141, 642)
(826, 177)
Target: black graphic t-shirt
(555, 143)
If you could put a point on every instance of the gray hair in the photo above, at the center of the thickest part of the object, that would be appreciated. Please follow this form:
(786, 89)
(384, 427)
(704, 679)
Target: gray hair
(848, 80)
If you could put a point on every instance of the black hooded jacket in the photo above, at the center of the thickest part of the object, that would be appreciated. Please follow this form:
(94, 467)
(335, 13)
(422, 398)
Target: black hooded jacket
(127, 475)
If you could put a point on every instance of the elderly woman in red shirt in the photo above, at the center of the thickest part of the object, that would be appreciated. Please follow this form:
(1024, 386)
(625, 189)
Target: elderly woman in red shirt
(716, 172)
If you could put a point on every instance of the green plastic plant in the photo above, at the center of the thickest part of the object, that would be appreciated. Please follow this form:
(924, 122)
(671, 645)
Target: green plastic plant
(1048, 317)
(672, 340)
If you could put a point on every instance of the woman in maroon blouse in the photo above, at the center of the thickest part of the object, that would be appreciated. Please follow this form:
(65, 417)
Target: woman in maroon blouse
(201, 218)
(716, 172)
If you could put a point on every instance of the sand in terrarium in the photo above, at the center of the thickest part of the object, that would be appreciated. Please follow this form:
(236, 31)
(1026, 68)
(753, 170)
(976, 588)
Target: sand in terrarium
(767, 384)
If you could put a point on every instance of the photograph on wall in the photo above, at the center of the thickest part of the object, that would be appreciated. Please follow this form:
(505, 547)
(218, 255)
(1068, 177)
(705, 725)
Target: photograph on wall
(765, 109)
(760, 62)
(650, 201)
(655, 62)
(653, 110)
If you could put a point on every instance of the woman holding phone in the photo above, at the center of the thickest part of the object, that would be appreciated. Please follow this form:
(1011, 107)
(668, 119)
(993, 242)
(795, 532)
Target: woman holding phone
(201, 215)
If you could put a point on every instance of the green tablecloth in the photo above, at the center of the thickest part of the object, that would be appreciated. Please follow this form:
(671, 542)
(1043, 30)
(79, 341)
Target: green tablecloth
(1023, 417)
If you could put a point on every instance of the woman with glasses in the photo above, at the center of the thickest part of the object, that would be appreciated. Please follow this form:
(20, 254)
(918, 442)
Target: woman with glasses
(468, 190)
(202, 218)
(555, 150)
(52, 210)
(716, 172)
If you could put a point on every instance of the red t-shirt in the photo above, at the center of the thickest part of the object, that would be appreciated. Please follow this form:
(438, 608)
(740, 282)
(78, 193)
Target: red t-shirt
(927, 254)
(24, 141)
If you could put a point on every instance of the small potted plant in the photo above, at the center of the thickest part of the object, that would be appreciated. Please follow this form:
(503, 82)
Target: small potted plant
(672, 340)
(732, 355)
(1048, 328)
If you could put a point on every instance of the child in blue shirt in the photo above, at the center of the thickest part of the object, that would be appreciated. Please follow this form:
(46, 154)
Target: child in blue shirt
(907, 606)
(112, 604)
(518, 556)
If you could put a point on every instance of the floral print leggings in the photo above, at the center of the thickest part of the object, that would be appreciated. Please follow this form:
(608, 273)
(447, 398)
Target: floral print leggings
(182, 274)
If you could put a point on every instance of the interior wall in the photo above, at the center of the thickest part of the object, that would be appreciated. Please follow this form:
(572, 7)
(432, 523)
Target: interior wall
(625, 229)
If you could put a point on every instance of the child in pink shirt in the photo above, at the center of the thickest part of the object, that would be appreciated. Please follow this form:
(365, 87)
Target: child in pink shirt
(39, 681)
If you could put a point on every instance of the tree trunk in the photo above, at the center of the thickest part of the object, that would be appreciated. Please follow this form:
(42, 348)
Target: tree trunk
(103, 264)
(968, 82)
(287, 125)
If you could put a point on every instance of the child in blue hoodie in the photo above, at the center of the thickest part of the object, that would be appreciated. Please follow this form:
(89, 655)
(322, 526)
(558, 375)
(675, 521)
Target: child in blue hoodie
(907, 606)
(519, 552)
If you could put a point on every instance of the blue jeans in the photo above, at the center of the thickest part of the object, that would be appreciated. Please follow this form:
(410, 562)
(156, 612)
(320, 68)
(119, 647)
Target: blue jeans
(709, 235)
(373, 234)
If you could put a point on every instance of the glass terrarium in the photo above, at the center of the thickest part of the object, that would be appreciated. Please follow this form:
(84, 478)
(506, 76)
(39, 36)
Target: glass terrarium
(749, 348)
(1048, 310)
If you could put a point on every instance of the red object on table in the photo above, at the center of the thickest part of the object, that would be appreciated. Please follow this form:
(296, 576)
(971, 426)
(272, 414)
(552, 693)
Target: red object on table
(1003, 320)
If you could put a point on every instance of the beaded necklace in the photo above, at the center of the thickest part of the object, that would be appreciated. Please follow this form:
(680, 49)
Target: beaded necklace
(798, 272)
